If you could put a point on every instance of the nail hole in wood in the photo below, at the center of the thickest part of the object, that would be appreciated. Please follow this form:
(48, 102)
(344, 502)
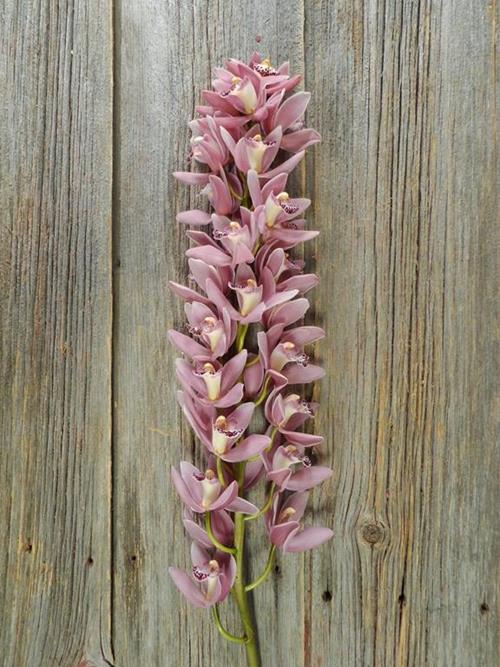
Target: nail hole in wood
(327, 596)
(28, 548)
(277, 570)
(90, 560)
(133, 558)
(484, 608)
(402, 600)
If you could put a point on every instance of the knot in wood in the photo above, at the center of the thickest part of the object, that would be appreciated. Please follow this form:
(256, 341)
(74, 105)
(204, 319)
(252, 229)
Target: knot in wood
(372, 533)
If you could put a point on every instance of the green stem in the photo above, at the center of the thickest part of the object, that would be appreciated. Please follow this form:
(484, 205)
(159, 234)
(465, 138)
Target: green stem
(253, 361)
(213, 539)
(241, 332)
(265, 507)
(265, 572)
(272, 435)
(252, 650)
(263, 392)
(227, 635)
(220, 472)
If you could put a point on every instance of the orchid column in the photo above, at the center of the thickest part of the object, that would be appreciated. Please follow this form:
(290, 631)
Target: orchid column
(250, 135)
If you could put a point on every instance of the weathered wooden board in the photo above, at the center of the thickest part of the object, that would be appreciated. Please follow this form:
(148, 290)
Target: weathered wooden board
(166, 51)
(55, 286)
(403, 190)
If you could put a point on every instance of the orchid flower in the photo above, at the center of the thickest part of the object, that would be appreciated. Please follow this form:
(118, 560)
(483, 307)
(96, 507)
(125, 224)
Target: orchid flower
(213, 383)
(284, 527)
(287, 413)
(202, 491)
(213, 576)
(292, 470)
(242, 344)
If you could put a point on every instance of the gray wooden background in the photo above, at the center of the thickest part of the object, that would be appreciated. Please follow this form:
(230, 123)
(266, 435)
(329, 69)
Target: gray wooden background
(95, 97)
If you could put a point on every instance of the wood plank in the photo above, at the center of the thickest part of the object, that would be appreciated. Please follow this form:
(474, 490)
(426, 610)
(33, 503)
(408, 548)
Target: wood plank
(165, 56)
(403, 187)
(55, 287)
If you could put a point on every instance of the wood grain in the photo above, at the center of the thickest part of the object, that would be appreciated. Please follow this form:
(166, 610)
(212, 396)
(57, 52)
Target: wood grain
(404, 193)
(404, 190)
(55, 285)
(165, 56)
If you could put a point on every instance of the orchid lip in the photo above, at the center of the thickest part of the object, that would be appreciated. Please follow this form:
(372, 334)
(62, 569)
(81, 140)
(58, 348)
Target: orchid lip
(221, 426)
(231, 228)
(294, 404)
(289, 208)
(286, 514)
(264, 68)
(212, 379)
(288, 352)
(199, 574)
(210, 489)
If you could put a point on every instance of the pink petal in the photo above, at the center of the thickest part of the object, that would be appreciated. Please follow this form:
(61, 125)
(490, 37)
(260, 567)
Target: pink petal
(184, 372)
(254, 316)
(191, 177)
(303, 282)
(201, 238)
(233, 396)
(182, 490)
(199, 555)
(233, 369)
(253, 377)
(307, 478)
(187, 293)
(221, 199)
(228, 140)
(242, 415)
(197, 533)
(187, 587)
(241, 157)
(285, 167)
(193, 217)
(292, 237)
(249, 447)
(254, 188)
(302, 439)
(220, 300)
(218, 102)
(274, 186)
(253, 472)
(281, 297)
(288, 313)
(307, 539)
(292, 109)
(201, 271)
(243, 506)
(287, 85)
(223, 526)
(280, 477)
(297, 141)
(210, 255)
(305, 335)
(226, 497)
(187, 345)
(279, 533)
(297, 374)
(227, 578)
(298, 502)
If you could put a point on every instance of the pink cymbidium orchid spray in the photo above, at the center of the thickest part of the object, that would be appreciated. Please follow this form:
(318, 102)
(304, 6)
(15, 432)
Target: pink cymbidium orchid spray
(244, 349)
